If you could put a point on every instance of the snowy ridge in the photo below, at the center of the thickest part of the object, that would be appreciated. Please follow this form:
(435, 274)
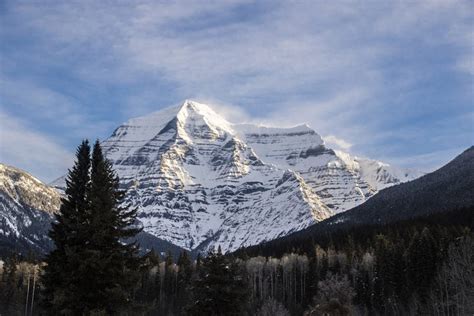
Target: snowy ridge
(26, 209)
(340, 180)
(26, 190)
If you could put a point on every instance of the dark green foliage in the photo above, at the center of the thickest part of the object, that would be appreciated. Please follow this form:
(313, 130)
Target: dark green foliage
(110, 265)
(8, 295)
(69, 234)
(392, 268)
(18, 287)
(92, 269)
(184, 275)
(220, 288)
(449, 188)
(413, 267)
(169, 284)
(421, 258)
(148, 293)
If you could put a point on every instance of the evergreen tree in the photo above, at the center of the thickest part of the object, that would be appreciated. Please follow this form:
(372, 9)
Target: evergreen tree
(185, 274)
(60, 278)
(9, 289)
(220, 288)
(150, 279)
(422, 262)
(93, 268)
(110, 264)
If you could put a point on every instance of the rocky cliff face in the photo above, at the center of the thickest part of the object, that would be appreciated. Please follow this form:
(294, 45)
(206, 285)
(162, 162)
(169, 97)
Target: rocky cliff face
(198, 184)
(26, 211)
(201, 181)
(340, 180)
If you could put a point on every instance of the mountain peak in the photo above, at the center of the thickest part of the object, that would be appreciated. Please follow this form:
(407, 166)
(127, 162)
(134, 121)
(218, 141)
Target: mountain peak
(25, 189)
(200, 180)
(194, 104)
(195, 113)
(190, 105)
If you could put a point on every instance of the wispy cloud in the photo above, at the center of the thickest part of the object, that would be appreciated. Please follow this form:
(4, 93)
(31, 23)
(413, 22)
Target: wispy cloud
(379, 76)
(31, 150)
(337, 143)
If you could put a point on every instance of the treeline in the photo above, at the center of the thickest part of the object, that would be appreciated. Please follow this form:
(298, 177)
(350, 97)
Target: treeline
(405, 270)
(326, 234)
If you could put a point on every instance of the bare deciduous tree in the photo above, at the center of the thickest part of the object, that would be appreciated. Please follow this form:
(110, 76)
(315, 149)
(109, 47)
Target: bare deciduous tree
(454, 291)
(334, 297)
(272, 308)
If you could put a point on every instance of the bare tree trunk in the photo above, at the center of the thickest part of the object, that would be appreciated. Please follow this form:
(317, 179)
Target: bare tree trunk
(33, 294)
(27, 294)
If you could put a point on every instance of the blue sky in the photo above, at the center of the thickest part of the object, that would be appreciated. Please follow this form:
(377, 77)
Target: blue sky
(390, 80)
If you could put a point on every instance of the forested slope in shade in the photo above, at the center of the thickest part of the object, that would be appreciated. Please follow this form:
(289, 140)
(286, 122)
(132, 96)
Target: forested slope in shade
(408, 268)
(448, 189)
(338, 236)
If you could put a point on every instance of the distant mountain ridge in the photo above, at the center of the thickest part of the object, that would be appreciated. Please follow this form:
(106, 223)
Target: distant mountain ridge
(27, 208)
(26, 211)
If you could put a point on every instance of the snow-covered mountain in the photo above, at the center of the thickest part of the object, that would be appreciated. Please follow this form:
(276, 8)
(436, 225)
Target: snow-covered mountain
(27, 208)
(340, 180)
(200, 181)
(26, 211)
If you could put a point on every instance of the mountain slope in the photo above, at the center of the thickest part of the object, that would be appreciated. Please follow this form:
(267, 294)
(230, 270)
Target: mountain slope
(26, 211)
(27, 208)
(340, 180)
(197, 184)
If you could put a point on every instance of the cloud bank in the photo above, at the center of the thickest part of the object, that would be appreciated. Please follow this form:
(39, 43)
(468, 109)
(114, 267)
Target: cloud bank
(391, 79)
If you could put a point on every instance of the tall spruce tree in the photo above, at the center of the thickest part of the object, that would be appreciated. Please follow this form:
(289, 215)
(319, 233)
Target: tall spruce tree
(185, 273)
(9, 287)
(94, 268)
(60, 276)
(111, 264)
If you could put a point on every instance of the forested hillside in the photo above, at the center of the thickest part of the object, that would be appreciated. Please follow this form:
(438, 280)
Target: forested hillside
(421, 266)
(448, 188)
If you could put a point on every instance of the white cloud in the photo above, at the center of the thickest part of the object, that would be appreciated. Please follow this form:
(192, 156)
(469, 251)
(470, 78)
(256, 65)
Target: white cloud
(232, 113)
(23, 147)
(41, 103)
(321, 63)
(338, 143)
(285, 48)
(466, 63)
(44, 102)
